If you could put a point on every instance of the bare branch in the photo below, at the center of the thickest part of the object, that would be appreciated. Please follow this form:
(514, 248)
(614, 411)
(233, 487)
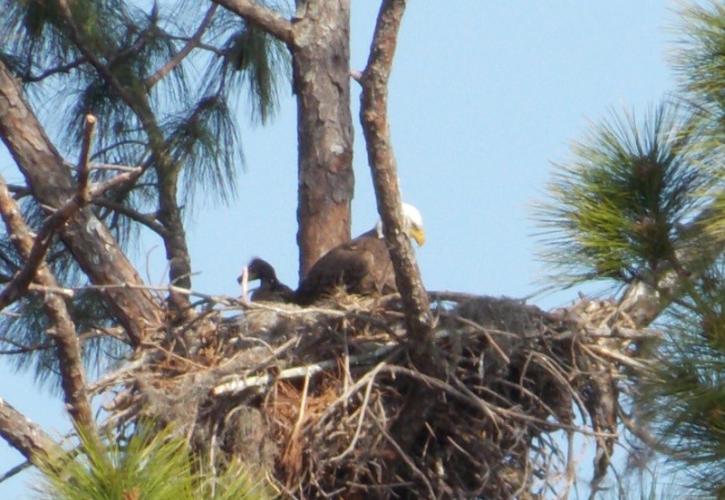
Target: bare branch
(147, 220)
(25, 436)
(264, 17)
(15, 470)
(88, 238)
(191, 44)
(64, 68)
(63, 329)
(83, 165)
(373, 115)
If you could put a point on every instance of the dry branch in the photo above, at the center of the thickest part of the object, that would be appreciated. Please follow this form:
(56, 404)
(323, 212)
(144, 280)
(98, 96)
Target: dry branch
(32, 249)
(190, 45)
(25, 436)
(374, 118)
(87, 237)
(262, 16)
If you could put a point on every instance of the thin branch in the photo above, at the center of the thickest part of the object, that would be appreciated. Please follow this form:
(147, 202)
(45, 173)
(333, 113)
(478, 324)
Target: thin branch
(239, 384)
(83, 165)
(42, 166)
(15, 470)
(181, 55)
(64, 68)
(147, 220)
(36, 253)
(110, 147)
(267, 19)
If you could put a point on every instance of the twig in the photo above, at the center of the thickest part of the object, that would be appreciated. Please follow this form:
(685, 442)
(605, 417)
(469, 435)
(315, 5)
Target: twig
(362, 411)
(83, 166)
(408, 461)
(490, 340)
(15, 470)
(181, 55)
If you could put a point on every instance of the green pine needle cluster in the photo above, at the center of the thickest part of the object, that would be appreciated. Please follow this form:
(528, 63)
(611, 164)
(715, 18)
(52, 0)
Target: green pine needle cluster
(685, 399)
(643, 199)
(619, 205)
(150, 465)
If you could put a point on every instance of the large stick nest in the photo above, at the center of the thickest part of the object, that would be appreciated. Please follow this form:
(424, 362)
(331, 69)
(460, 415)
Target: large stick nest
(327, 401)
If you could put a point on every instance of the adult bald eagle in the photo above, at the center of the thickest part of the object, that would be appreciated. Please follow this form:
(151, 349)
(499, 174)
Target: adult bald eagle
(360, 266)
(270, 289)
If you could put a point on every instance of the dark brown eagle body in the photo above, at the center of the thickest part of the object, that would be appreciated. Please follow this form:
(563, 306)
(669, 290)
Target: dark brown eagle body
(361, 266)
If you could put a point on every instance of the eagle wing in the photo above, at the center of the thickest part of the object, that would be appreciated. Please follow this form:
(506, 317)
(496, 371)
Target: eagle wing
(361, 266)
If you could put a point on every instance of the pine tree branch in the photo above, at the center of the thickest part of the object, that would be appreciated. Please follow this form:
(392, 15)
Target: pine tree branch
(177, 252)
(419, 401)
(25, 436)
(147, 220)
(15, 471)
(42, 240)
(191, 44)
(264, 17)
(63, 329)
(373, 115)
(644, 301)
(64, 68)
(88, 239)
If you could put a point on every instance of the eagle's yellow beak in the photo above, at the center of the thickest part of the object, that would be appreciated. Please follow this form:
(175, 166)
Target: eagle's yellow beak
(418, 234)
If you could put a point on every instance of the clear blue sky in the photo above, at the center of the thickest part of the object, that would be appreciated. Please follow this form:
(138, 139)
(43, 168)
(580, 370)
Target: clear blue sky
(484, 96)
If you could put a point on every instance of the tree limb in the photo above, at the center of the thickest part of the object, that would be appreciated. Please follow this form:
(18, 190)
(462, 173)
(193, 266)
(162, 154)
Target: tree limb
(42, 240)
(264, 17)
(419, 400)
(643, 301)
(64, 68)
(63, 330)
(87, 238)
(177, 252)
(373, 115)
(25, 436)
(147, 220)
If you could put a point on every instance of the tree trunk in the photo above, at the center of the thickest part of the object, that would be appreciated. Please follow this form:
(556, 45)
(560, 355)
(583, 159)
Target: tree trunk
(321, 66)
(86, 237)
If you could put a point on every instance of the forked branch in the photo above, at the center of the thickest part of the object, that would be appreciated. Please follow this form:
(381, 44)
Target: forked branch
(33, 249)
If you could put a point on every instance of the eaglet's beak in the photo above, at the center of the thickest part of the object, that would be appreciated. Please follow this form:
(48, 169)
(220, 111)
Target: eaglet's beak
(418, 234)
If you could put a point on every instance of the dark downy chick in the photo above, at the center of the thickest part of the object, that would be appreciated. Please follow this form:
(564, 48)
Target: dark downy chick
(270, 289)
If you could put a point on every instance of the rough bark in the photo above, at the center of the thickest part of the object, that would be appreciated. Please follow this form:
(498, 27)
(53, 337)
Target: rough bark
(374, 118)
(319, 40)
(87, 238)
(23, 435)
(419, 401)
(62, 331)
(321, 69)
